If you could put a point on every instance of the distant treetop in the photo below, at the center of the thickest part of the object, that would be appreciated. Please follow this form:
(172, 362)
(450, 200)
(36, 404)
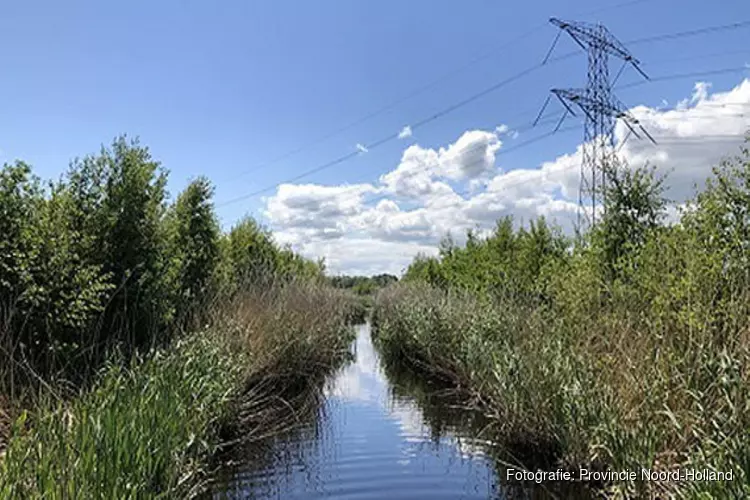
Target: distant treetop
(363, 285)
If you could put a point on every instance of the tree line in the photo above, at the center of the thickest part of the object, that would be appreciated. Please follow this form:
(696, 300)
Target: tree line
(102, 258)
(362, 285)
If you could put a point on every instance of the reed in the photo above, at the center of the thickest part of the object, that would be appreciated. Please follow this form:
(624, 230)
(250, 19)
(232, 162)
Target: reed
(612, 395)
(628, 350)
(148, 428)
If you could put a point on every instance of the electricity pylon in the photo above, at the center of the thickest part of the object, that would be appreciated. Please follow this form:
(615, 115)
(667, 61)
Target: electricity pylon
(600, 107)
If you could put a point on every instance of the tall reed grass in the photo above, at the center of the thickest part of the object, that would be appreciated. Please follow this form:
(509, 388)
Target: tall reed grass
(141, 432)
(611, 393)
(147, 429)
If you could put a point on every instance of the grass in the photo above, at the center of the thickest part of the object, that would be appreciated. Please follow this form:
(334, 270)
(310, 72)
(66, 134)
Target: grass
(144, 428)
(609, 393)
(148, 429)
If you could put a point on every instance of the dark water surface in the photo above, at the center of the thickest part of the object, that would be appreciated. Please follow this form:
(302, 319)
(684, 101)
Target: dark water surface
(378, 434)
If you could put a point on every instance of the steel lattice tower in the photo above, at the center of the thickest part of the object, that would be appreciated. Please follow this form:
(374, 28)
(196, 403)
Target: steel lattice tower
(598, 135)
(600, 107)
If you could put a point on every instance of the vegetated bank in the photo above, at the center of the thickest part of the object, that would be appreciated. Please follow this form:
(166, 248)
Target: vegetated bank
(629, 349)
(134, 332)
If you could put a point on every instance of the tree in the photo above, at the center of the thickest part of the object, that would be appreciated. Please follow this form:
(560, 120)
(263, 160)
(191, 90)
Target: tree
(251, 252)
(120, 196)
(194, 244)
(635, 206)
(20, 199)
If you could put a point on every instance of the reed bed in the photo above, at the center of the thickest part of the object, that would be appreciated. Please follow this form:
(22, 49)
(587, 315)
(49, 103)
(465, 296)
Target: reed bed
(148, 429)
(610, 394)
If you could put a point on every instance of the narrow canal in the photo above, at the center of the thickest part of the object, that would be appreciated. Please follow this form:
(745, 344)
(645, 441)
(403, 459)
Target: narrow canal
(378, 434)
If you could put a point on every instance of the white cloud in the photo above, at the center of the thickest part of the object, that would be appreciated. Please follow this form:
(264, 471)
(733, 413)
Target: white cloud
(306, 211)
(405, 132)
(458, 187)
(422, 172)
(505, 130)
(471, 156)
(691, 138)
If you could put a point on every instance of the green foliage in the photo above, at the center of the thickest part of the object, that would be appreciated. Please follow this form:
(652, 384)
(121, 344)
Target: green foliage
(193, 235)
(51, 290)
(251, 252)
(20, 197)
(99, 259)
(426, 269)
(253, 258)
(120, 196)
(136, 435)
(636, 358)
(66, 292)
(290, 266)
(635, 206)
(508, 262)
(363, 285)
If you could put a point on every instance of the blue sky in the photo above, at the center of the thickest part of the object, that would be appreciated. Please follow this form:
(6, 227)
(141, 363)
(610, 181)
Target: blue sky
(217, 88)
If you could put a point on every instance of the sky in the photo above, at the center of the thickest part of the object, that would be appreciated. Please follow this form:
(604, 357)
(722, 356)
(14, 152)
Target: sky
(262, 97)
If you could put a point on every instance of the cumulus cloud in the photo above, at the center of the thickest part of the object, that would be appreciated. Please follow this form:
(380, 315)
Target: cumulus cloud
(471, 156)
(422, 172)
(315, 211)
(405, 132)
(433, 191)
(692, 137)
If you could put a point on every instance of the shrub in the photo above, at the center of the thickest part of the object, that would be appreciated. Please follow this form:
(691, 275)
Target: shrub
(98, 260)
(194, 249)
(637, 356)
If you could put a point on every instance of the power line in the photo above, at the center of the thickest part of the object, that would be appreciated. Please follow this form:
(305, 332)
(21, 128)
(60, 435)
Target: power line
(689, 33)
(464, 102)
(700, 56)
(739, 69)
(699, 138)
(422, 89)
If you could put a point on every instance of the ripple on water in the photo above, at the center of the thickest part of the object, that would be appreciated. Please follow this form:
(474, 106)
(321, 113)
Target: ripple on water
(371, 440)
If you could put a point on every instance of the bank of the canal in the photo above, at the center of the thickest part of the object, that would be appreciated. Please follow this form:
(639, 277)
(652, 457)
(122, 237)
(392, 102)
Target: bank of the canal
(377, 434)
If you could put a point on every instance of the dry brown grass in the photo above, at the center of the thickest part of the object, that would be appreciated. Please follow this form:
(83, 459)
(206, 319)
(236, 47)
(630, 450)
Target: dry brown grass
(295, 329)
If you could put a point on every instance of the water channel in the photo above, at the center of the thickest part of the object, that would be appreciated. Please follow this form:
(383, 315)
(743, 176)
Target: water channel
(379, 434)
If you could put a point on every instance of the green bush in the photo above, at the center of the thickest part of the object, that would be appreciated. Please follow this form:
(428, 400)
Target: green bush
(628, 350)
(193, 247)
(99, 259)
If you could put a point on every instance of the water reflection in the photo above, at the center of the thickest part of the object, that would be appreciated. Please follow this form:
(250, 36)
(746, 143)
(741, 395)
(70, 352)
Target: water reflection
(379, 432)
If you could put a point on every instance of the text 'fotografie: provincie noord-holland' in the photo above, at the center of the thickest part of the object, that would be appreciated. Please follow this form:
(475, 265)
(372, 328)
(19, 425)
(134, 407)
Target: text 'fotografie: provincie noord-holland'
(676, 475)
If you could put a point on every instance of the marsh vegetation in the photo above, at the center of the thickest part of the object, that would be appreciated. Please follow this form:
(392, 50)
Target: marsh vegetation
(628, 348)
(136, 334)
